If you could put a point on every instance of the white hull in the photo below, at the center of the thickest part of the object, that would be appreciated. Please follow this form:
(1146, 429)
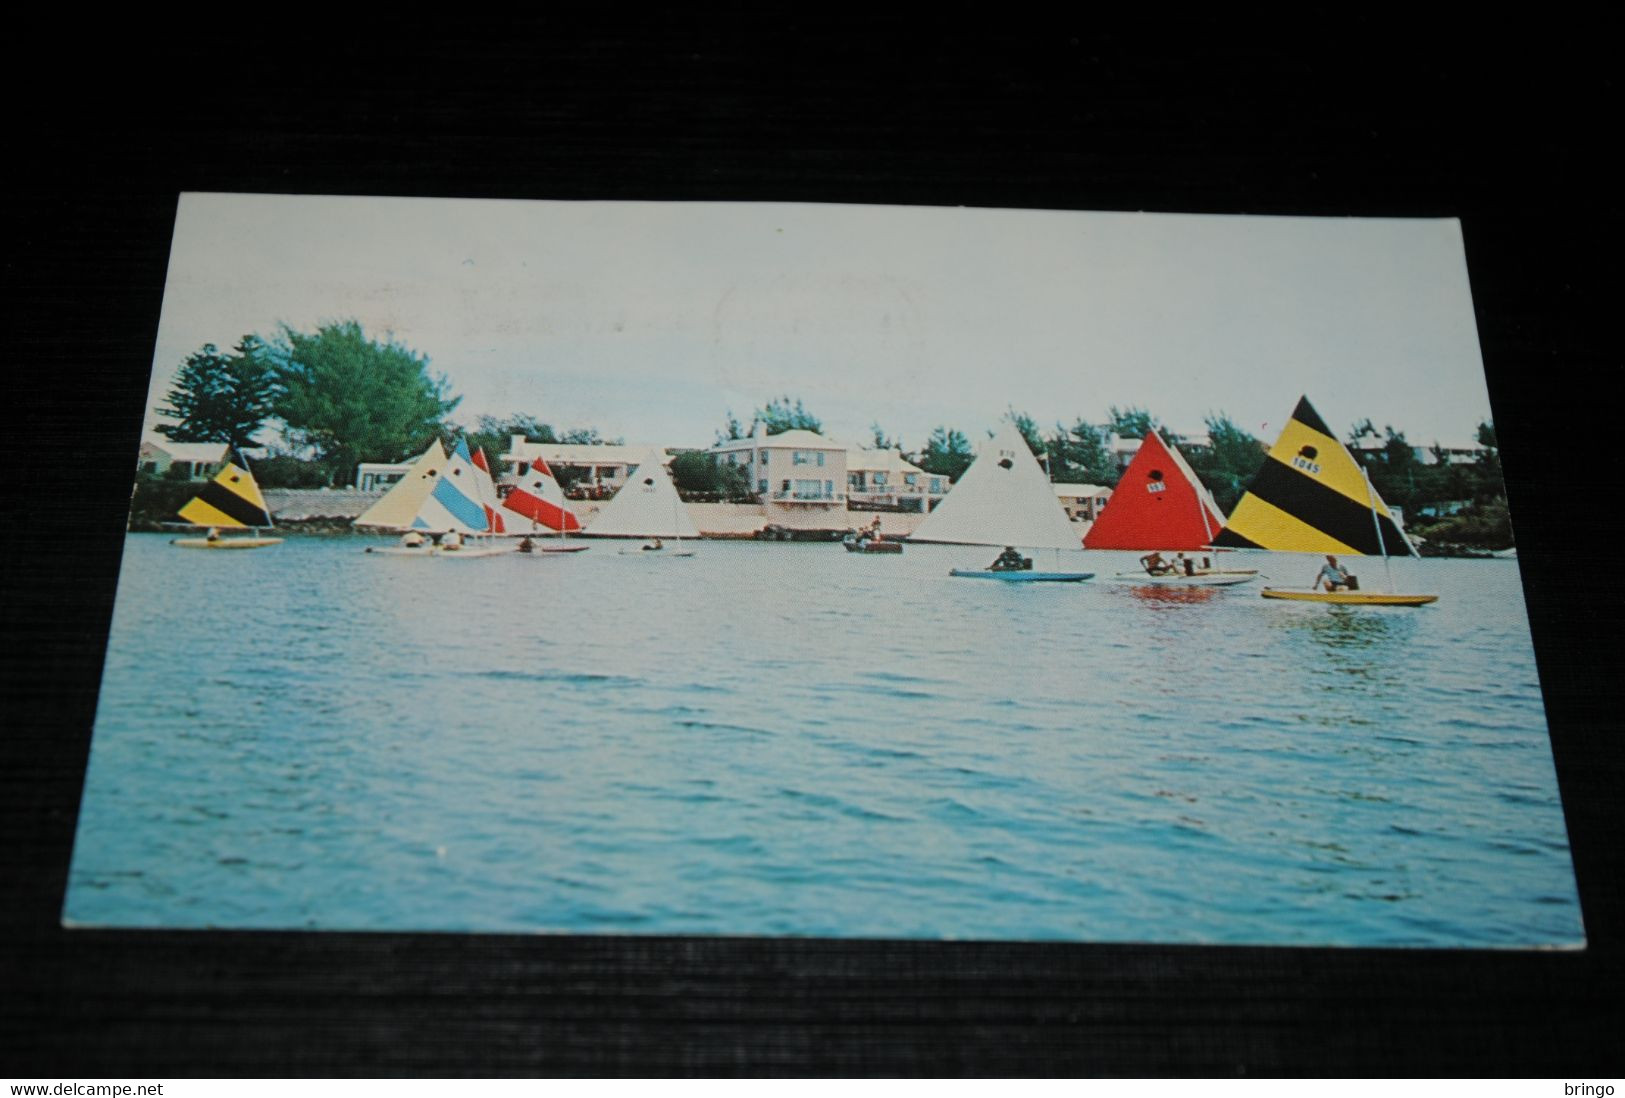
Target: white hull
(436, 551)
(1200, 579)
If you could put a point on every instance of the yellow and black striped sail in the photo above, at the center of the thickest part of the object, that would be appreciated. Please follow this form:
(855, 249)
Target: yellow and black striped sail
(1311, 496)
(231, 500)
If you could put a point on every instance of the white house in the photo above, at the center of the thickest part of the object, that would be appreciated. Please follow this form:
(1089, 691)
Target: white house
(884, 478)
(799, 477)
(199, 460)
(1083, 502)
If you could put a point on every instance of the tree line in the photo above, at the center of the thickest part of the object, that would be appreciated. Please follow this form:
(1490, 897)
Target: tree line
(336, 397)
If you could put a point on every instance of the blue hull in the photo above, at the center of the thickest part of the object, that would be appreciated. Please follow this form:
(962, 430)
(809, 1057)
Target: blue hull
(1023, 577)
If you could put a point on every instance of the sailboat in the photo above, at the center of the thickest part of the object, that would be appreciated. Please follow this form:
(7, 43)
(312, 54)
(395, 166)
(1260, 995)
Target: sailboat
(231, 501)
(439, 496)
(1311, 496)
(538, 497)
(1160, 504)
(647, 506)
(485, 490)
(1005, 499)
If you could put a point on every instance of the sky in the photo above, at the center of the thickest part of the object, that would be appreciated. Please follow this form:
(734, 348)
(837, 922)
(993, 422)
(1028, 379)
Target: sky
(651, 321)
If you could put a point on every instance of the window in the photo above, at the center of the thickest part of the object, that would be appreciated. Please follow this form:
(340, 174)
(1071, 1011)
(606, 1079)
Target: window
(880, 480)
(910, 479)
(761, 485)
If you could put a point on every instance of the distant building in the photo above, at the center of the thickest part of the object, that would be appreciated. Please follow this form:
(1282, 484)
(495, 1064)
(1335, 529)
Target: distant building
(375, 476)
(885, 479)
(799, 477)
(602, 470)
(1453, 453)
(1122, 448)
(1082, 502)
(196, 460)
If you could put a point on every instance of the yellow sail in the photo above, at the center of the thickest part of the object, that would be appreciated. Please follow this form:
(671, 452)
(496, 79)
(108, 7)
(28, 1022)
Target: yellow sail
(231, 501)
(400, 505)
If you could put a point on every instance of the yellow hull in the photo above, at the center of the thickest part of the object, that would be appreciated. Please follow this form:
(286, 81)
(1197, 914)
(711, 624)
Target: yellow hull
(225, 543)
(1348, 598)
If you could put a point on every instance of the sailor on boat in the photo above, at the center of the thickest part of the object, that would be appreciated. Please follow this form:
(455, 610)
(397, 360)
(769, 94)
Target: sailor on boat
(213, 534)
(527, 546)
(1156, 565)
(1011, 561)
(653, 544)
(451, 541)
(411, 540)
(1335, 577)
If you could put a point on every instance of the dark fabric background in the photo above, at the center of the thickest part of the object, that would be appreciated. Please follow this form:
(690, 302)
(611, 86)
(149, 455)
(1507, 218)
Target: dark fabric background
(1510, 127)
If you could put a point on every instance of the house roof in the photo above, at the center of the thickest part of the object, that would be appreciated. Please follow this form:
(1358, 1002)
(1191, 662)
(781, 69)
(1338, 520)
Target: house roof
(785, 440)
(860, 459)
(560, 453)
(208, 452)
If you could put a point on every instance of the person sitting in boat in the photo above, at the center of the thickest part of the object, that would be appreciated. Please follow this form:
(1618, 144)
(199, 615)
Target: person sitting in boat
(1183, 565)
(213, 534)
(653, 544)
(1334, 576)
(526, 545)
(1010, 561)
(1155, 564)
(451, 540)
(412, 540)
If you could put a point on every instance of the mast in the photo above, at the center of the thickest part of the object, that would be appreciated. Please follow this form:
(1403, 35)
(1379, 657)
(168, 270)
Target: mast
(1382, 544)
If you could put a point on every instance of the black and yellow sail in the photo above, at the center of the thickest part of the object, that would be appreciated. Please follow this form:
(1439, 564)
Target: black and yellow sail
(230, 501)
(1311, 496)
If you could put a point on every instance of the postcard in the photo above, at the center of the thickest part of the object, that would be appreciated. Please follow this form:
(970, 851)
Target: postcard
(814, 570)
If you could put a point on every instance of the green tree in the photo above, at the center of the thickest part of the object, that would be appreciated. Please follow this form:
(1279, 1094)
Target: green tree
(1135, 422)
(494, 434)
(288, 471)
(699, 473)
(731, 429)
(779, 415)
(352, 399)
(1394, 469)
(882, 441)
(948, 454)
(1487, 482)
(1078, 455)
(1029, 432)
(221, 398)
(1230, 462)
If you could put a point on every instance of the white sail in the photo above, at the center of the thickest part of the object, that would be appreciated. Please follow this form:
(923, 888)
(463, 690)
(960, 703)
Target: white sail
(1004, 498)
(647, 506)
(399, 506)
(486, 493)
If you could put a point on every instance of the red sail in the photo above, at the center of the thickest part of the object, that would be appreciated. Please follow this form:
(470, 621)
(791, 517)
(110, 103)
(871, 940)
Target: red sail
(1159, 504)
(538, 497)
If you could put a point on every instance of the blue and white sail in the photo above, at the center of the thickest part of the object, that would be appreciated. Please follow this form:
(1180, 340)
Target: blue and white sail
(454, 502)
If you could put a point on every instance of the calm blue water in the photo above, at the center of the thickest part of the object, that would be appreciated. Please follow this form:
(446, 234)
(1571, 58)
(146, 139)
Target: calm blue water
(788, 739)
